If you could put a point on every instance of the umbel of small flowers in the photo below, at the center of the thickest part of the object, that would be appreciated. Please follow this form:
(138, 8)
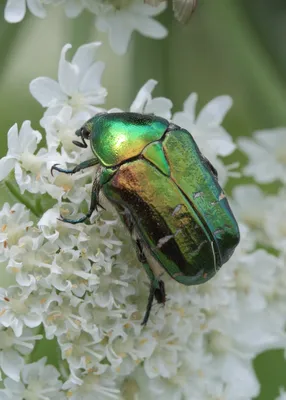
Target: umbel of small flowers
(118, 18)
(83, 286)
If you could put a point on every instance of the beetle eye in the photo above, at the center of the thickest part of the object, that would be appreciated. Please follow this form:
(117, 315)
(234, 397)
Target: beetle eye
(211, 167)
(84, 133)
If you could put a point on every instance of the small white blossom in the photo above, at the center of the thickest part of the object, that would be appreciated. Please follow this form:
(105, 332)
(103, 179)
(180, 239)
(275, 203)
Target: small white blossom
(144, 103)
(121, 18)
(14, 223)
(94, 384)
(18, 310)
(78, 83)
(11, 362)
(267, 155)
(274, 222)
(282, 395)
(39, 381)
(21, 148)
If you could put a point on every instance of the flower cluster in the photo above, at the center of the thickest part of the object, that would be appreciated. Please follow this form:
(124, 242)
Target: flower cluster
(82, 284)
(118, 18)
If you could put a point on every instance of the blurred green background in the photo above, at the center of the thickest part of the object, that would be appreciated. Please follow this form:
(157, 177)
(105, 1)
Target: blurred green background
(235, 47)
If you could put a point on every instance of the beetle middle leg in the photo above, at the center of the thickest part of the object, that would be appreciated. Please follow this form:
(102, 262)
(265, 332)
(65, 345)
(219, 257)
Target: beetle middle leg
(93, 204)
(157, 287)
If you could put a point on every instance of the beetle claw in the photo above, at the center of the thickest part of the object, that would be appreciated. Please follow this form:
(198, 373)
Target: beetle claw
(52, 169)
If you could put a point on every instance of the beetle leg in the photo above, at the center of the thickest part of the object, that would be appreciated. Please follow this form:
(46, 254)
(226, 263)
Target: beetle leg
(93, 204)
(157, 287)
(79, 167)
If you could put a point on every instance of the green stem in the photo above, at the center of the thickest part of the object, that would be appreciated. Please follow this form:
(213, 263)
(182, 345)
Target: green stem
(16, 193)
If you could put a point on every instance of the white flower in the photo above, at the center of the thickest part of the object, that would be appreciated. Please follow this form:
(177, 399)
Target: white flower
(267, 155)
(206, 128)
(121, 18)
(282, 395)
(18, 310)
(10, 360)
(274, 222)
(78, 87)
(94, 384)
(14, 223)
(39, 381)
(21, 148)
(15, 10)
(144, 103)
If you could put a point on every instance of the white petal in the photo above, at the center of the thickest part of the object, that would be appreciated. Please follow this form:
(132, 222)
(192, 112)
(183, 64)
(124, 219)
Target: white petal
(85, 56)
(148, 10)
(190, 105)
(119, 31)
(252, 149)
(15, 10)
(32, 320)
(272, 138)
(73, 8)
(143, 96)
(150, 27)
(160, 106)
(6, 166)
(13, 140)
(36, 7)
(214, 112)
(183, 120)
(46, 91)
(92, 77)
(12, 364)
(28, 138)
(68, 73)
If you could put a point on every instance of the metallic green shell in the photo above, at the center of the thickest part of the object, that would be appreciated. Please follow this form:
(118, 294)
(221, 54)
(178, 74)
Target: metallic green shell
(180, 212)
(117, 137)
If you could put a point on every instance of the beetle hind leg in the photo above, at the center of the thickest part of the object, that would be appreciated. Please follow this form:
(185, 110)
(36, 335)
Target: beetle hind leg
(157, 287)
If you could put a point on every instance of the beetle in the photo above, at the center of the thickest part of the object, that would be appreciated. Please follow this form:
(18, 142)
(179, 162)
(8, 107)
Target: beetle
(166, 193)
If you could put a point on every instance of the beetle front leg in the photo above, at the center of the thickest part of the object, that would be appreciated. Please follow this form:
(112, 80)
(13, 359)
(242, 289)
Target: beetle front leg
(157, 287)
(93, 204)
(77, 168)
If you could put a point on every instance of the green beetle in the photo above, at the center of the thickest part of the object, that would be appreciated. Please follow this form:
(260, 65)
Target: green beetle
(166, 193)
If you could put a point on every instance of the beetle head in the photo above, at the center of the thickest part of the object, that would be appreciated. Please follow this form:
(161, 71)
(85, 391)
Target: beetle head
(84, 133)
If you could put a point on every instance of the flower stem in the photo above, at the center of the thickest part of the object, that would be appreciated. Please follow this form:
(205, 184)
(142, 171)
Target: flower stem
(16, 193)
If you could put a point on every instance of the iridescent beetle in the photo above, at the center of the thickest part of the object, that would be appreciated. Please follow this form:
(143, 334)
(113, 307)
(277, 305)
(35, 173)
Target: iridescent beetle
(166, 193)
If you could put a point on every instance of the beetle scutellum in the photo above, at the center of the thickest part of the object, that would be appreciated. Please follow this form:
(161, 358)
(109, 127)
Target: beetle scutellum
(166, 193)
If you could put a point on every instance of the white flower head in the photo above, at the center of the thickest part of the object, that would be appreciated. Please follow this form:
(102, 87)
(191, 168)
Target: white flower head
(78, 84)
